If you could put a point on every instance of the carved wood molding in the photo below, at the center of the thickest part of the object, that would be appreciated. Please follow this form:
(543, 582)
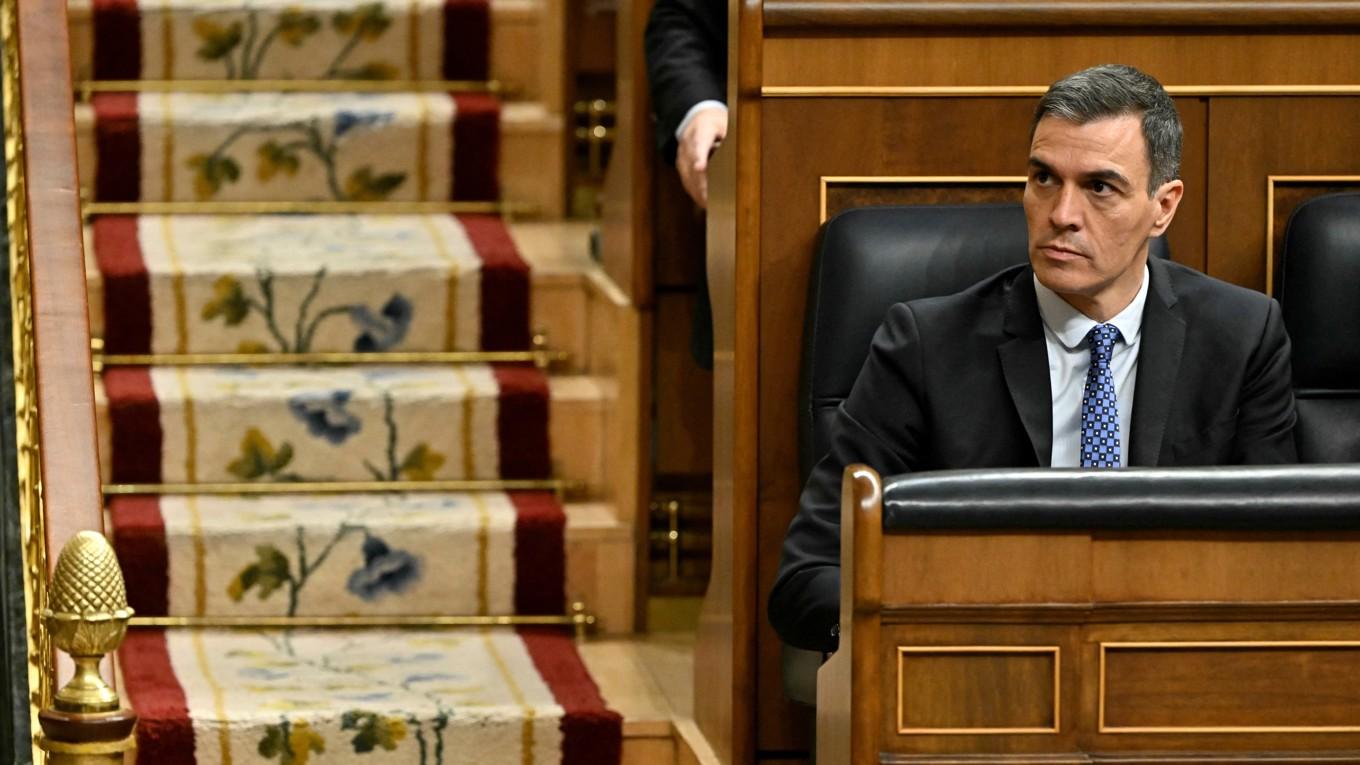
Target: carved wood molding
(975, 14)
(1069, 613)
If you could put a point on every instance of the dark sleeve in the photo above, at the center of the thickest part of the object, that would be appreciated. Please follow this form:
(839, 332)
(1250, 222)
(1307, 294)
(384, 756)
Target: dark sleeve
(686, 44)
(1265, 420)
(879, 424)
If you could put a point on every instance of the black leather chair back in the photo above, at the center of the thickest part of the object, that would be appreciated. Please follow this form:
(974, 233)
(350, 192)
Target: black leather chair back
(1320, 294)
(868, 259)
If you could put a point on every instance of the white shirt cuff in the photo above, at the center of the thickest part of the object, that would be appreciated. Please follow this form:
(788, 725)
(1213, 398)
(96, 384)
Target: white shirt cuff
(693, 110)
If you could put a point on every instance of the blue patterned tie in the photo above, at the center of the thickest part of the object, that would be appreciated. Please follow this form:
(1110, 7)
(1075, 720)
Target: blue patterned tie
(1099, 412)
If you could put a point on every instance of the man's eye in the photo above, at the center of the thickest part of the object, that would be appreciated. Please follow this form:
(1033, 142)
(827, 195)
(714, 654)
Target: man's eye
(1101, 187)
(1042, 178)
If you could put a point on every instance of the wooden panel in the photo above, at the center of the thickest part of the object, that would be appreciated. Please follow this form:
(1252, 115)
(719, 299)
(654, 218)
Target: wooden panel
(683, 429)
(678, 238)
(975, 14)
(1283, 195)
(978, 690)
(724, 652)
(1300, 687)
(1218, 567)
(1251, 139)
(1039, 58)
(842, 194)
(987, 568)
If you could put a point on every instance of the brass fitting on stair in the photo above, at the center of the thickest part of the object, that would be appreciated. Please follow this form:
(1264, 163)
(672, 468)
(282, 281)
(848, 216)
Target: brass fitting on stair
(87, 618)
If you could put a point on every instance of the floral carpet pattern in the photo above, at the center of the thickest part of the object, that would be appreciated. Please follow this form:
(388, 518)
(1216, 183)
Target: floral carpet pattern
(315, 555)
(365, 696)
(333, 147)
(306, 283)
(369, 423)
(288, 40)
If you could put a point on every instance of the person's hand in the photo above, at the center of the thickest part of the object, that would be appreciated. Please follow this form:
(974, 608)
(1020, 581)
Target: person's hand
(701, 136)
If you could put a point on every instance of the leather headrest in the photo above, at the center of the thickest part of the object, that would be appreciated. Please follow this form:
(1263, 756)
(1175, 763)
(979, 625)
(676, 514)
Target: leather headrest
(1320, 292)
(1291, 497)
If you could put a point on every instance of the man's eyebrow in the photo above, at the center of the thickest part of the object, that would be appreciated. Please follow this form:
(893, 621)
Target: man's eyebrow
(1109, 175)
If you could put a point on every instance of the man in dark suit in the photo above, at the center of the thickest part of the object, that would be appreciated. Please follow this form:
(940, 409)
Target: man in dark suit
(686, 43)
(1089, 356)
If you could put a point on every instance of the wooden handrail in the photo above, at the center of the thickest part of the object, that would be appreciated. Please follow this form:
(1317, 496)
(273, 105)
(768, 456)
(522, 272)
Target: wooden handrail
(57, 456)
(61, 323)
(974, 14)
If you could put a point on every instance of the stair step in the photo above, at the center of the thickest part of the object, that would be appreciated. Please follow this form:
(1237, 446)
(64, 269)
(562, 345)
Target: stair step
(488, 553)
(369, 423)
(236, 39)
(153, 422)
(290, 147)
(451, 696)
(165, 284)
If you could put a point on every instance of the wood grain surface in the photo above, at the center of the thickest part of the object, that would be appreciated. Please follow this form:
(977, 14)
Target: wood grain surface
(981, 14)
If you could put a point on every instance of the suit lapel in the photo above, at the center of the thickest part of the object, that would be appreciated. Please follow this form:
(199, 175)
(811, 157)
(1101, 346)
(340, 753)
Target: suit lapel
(1159, 363)
(1024, 362)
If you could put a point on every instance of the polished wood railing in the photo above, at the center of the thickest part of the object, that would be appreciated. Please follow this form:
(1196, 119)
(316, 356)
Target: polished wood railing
(58, 467)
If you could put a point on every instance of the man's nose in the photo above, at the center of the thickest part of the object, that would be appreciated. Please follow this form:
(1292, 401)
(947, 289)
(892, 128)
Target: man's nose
(1066, 213)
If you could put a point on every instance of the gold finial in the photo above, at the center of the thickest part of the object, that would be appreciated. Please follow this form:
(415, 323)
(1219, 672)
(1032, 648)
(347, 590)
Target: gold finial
(87, 618)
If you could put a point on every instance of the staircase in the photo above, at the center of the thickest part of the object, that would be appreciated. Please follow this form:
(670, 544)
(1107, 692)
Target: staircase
(350, 416)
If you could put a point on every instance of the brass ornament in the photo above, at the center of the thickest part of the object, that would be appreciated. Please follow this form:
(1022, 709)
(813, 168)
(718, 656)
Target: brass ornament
(87, 617)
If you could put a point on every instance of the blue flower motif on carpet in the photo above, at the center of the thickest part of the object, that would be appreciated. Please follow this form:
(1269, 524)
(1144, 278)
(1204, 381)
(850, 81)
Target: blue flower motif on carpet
(384, 571)
(346, 120)
(325, 415)
(385, 330)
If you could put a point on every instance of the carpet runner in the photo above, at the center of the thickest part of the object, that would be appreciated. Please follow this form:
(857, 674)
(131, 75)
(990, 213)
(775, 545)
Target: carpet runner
(360, 423)
(288, 40)
(308, 283)
(342, 555)
(365, 696)
(339, 147)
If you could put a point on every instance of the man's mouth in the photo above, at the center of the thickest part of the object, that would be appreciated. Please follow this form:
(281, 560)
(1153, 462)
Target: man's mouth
(1060, 251)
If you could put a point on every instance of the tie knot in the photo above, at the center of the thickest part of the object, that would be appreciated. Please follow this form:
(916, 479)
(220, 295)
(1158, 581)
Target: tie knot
(1101, 340)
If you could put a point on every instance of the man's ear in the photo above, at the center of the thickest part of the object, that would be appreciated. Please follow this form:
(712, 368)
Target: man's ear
(1167, 198)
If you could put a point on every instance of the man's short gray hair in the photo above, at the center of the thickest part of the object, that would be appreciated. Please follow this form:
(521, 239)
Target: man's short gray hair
(1112, 90)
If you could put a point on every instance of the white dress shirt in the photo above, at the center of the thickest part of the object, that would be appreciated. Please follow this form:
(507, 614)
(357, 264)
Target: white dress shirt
(1069, 359)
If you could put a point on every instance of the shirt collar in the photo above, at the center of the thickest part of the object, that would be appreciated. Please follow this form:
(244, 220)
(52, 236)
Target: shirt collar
(1071, 326)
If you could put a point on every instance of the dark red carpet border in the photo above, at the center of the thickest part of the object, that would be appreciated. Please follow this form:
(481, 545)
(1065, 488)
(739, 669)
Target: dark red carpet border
(540, 553)
(522, 422)
(467, 39)
(165, 734)
(592, 734)
(505, 283)
(128, 315)
(118, 144)
(476, 147)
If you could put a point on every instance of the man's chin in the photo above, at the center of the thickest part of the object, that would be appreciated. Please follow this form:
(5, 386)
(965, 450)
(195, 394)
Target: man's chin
(1063, 277)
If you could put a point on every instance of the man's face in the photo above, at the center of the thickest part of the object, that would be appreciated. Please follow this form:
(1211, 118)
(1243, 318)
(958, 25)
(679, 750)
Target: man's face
(1089, 213)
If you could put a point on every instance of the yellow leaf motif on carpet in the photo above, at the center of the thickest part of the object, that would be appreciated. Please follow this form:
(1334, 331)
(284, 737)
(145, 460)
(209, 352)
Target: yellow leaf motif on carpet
(259, 457)
(421, 463)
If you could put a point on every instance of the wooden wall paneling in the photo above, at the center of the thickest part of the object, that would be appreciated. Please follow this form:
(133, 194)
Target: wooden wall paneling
(1189, 58)
(1013, 14)
(725, 698)
(1284, 194)
(627, 199)
(678, 239)
(1251, 139)
(683, 392)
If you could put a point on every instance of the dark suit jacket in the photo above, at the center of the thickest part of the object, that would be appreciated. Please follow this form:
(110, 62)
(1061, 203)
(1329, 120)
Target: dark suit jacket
(686, 42)
(962, 382)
